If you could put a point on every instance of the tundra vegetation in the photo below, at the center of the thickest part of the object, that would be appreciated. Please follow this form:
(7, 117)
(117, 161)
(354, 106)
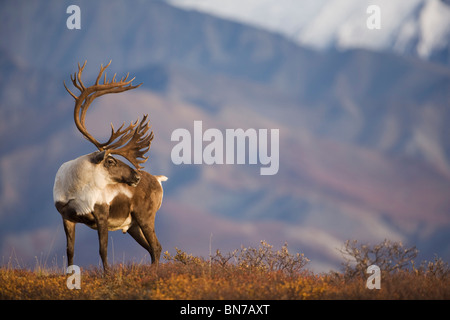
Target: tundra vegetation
(245, 273)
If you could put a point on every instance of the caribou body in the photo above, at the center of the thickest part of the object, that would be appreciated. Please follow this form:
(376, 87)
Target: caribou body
(103, 192)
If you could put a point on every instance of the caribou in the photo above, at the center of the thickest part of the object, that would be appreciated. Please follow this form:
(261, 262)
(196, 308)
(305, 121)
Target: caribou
(103, 192)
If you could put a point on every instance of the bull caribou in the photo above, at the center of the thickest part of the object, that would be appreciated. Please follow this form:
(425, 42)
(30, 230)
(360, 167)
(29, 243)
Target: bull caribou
(102, 191)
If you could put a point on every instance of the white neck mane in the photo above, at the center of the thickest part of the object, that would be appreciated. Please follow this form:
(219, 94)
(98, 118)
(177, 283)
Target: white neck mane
(86, 184)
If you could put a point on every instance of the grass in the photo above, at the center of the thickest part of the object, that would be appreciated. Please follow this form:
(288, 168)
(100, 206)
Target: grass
(248, 273)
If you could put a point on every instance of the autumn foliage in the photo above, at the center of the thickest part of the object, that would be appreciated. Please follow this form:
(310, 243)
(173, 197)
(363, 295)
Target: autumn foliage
(246, 273)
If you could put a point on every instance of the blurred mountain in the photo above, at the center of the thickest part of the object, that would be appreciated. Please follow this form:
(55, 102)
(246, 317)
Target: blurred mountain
(419, 28)
(364, 152)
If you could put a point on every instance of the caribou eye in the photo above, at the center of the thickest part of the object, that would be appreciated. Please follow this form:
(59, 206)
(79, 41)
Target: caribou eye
(110, 161)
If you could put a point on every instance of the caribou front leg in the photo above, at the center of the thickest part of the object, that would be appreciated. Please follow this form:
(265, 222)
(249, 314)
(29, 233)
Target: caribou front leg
(101, 213)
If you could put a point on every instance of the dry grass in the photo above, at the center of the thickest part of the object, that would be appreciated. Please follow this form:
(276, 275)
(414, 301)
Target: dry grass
(248, 273)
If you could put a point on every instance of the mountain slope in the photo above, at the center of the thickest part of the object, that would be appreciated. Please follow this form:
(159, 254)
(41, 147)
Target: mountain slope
(418, 28)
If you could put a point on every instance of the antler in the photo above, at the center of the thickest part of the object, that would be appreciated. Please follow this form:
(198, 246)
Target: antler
(132, 142)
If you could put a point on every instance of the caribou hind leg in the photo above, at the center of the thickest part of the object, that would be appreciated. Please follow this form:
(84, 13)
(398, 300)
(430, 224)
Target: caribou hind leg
(146, 237)
(136, 232)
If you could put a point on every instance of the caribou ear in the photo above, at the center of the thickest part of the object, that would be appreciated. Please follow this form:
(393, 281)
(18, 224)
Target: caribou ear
(98, 157)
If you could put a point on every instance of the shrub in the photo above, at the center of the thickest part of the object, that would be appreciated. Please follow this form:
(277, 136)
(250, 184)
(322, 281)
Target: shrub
(391, 257)
(437, 268)
(264, 259)
(182, 257)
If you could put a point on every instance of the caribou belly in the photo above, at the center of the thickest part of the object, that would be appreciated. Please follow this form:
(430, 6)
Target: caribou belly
(120, 213)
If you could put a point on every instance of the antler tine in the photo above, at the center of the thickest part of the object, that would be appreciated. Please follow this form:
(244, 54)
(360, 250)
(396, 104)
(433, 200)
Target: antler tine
(71, 93)
(101, 72)
(76, 81)
(78, 76)
(126, 77)
(118, 133)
